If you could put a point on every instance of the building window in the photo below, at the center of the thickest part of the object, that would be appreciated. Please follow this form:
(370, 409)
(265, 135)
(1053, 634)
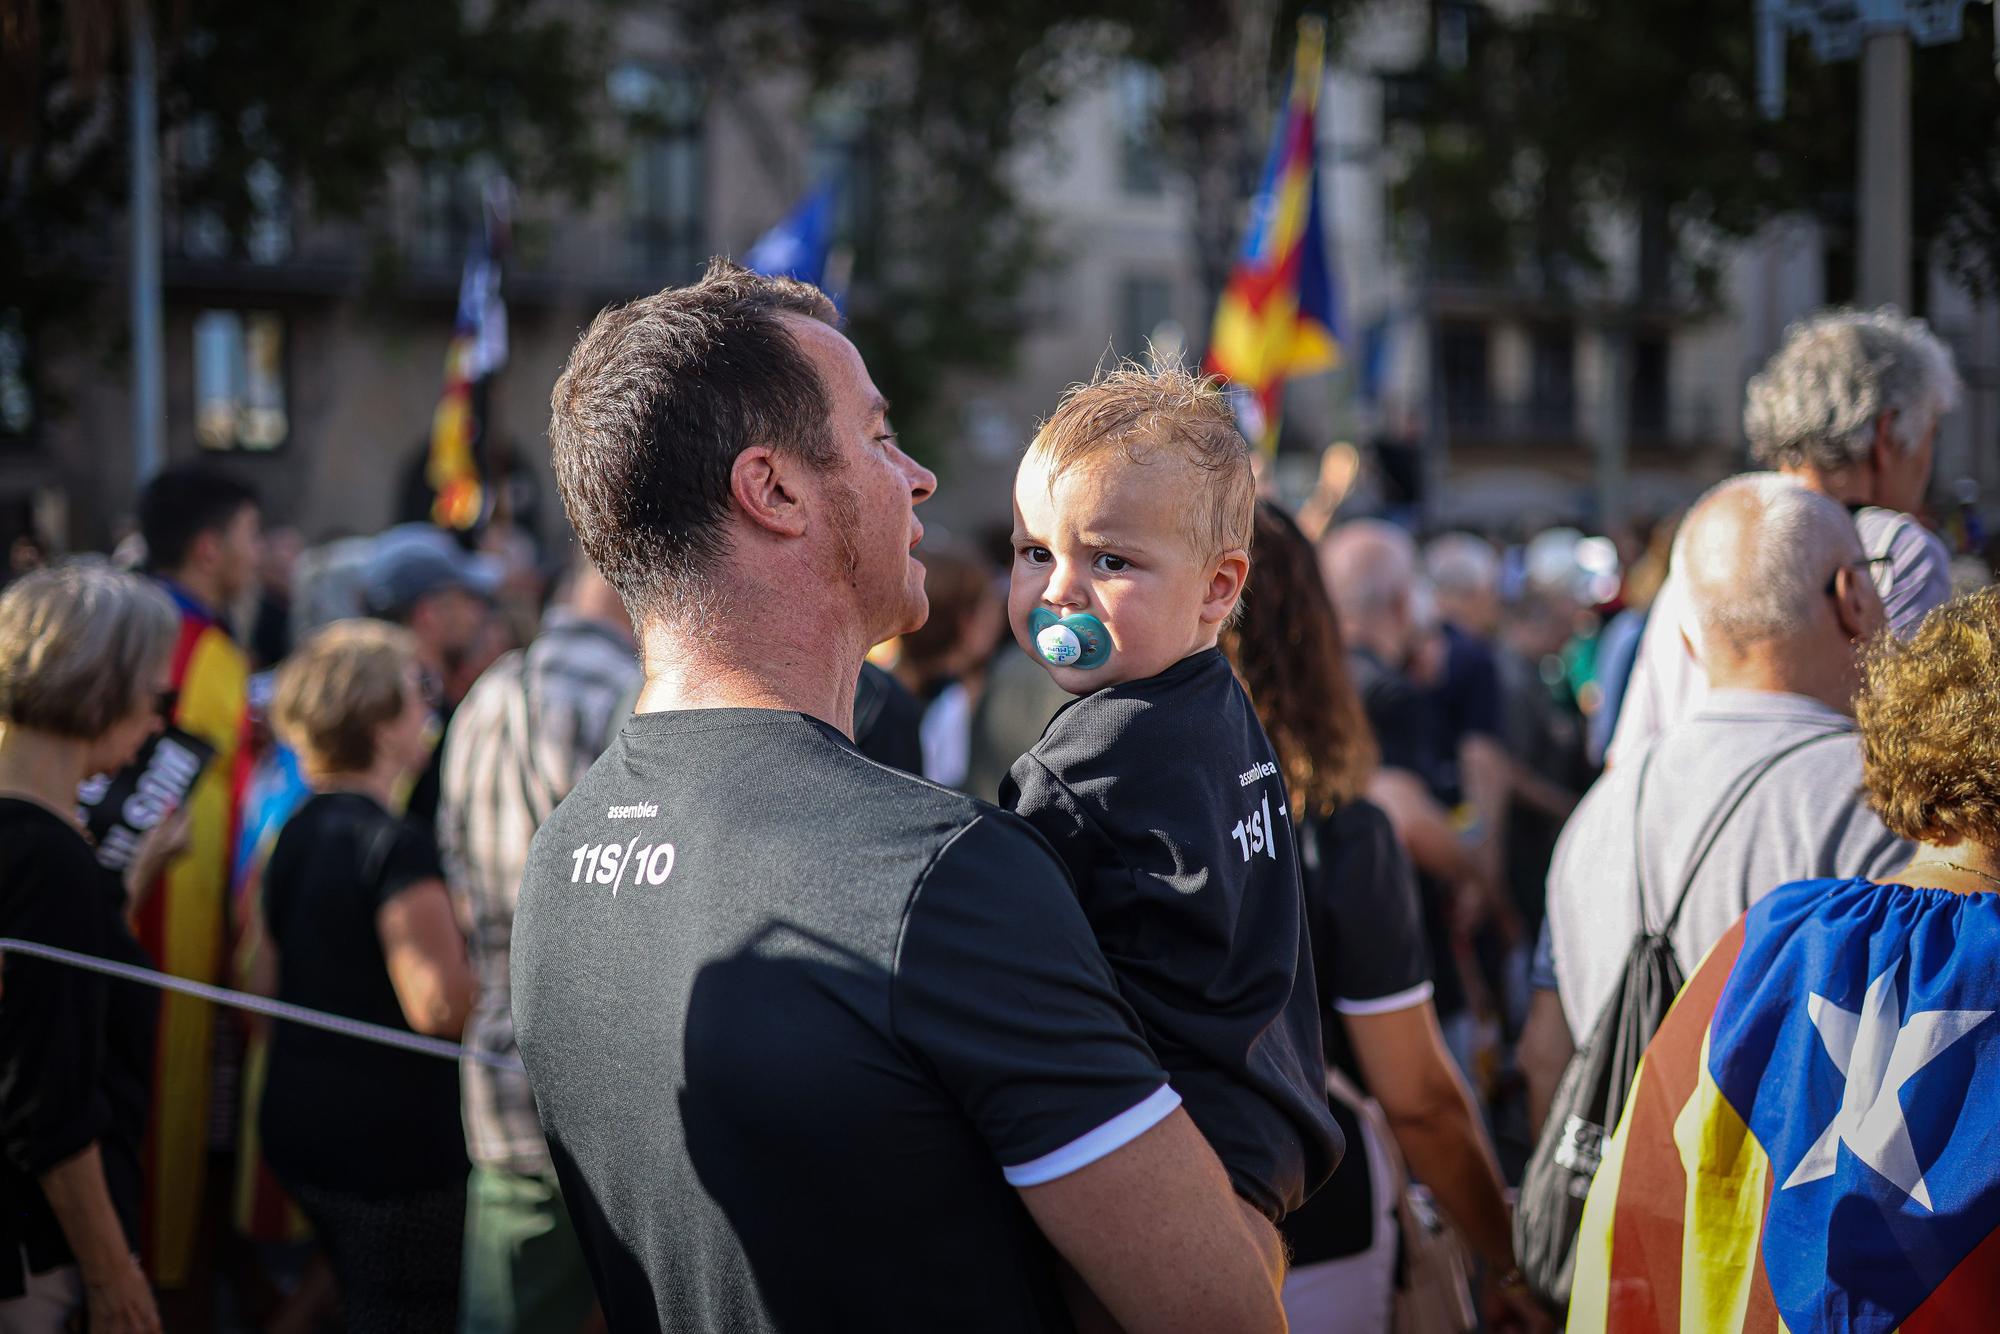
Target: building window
(199, 230)
(1649, 388)
(1145, 315)
(1552, 380)
(239, 380)
(665, 169)
(1141, 155)
(1463, 366)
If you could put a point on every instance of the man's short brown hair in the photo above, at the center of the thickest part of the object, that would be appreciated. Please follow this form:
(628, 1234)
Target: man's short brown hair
(1929, 712)
(659, 397)
(337, 688)
(1134, 414)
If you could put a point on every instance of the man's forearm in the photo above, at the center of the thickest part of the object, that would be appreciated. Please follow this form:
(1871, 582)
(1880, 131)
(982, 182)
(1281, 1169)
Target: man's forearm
(82, 1205)
(1155, 1231)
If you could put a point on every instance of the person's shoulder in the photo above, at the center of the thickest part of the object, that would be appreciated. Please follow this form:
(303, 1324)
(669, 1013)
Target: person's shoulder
(1603, 819)
(992, 876)
(35, 836)
(1361, 823)
(482, 709)
(1886, 531)
(1355, 844)
(1470, 652)
(992, 843)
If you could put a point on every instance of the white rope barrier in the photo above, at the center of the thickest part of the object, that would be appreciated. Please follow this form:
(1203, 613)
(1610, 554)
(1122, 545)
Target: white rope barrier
(359, 1029)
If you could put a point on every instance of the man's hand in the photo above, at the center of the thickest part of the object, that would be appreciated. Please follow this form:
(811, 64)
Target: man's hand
(121, 1301)
(1507, 1308)
(1156, 1233)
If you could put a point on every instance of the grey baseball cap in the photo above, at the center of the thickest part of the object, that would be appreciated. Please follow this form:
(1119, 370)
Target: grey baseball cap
(414, 560)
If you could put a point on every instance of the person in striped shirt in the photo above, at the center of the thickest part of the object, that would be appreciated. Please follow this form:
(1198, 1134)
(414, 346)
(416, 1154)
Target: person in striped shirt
(1848, 407)
(526, 731)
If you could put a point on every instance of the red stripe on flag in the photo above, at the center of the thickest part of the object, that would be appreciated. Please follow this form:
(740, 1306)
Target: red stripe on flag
(1968, 1297)
(191, 631)
(1649, 1221)
(150, 926)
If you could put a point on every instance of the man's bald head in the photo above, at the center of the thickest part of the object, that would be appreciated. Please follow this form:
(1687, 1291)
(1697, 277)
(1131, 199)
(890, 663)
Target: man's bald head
(1370, 567)
(1757, 553)
(1371, 573)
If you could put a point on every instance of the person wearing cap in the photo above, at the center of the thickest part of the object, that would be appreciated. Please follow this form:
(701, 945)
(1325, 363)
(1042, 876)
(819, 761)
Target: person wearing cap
(419, 577)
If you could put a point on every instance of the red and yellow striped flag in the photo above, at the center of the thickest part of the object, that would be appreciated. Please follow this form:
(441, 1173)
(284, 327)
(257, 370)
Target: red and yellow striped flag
(1277, 317)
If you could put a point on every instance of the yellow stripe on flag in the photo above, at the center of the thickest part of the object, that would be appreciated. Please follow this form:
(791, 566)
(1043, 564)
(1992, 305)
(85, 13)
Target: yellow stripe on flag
(1726, 1172)
(195, 886)
(1590, 1281)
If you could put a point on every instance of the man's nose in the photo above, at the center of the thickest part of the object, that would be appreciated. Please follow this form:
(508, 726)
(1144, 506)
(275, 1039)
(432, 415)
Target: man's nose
(923, 482)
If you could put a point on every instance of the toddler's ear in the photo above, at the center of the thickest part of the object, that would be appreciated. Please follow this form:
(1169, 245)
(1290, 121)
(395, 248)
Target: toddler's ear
(1226, 578)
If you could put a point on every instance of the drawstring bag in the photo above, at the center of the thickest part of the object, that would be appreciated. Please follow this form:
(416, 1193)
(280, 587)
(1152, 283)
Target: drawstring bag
(1591, 1096)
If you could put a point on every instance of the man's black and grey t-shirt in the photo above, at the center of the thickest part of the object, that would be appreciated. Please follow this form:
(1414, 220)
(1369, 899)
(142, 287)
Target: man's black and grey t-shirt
(798, 1025)
(1164, 799)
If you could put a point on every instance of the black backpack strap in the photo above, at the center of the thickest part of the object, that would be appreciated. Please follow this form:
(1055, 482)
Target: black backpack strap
(1639, 837)
(1713, 833)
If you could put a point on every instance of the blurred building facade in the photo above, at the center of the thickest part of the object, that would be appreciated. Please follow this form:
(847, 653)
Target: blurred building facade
(298, 360)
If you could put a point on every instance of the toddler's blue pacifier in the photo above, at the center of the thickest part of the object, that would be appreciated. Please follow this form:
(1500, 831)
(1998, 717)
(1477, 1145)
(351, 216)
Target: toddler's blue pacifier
(1078, 640)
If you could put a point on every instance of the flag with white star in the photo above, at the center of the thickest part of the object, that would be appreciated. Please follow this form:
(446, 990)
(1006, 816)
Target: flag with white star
(1813, 1138)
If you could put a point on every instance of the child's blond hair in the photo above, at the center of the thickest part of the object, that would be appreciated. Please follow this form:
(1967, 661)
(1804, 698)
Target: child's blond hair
(1139, 413)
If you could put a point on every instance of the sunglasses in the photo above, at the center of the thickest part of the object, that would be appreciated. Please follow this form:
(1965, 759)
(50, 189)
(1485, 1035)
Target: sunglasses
(1870, 564)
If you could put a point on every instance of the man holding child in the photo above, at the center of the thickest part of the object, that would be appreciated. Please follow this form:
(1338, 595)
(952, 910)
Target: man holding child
(817, 1044)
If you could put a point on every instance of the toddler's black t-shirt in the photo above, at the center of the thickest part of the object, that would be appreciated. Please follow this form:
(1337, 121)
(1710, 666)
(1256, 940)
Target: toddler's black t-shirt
(1164, 799)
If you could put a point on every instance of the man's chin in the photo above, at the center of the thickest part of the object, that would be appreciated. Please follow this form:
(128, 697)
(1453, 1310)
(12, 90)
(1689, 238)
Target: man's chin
(917, 607)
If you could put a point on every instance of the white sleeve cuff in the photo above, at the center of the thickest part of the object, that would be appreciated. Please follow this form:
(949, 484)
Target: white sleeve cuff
(1087, 1148)
(1401, 1000)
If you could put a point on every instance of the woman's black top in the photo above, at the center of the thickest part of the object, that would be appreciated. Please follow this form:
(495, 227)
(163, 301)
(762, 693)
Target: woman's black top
(1369, 955)
(340, 1113)
(76, 1048)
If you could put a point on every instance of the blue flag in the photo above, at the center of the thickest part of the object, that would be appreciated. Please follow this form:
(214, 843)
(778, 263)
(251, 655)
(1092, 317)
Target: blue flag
(797, 247)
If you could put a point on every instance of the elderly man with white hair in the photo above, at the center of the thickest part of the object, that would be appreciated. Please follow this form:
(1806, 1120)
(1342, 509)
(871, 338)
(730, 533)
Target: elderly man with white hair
(1761, 785)
(1848, 407)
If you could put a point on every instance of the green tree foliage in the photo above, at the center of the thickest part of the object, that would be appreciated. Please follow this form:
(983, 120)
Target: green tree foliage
(324, 99)
(953, 91)
(1558, 114)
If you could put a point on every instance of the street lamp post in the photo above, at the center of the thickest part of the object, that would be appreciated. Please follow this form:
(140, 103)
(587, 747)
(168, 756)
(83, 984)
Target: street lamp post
(1881, 33)
(149, 407)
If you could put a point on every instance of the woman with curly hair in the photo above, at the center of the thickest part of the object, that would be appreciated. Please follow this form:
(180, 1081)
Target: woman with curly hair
(1811, 1137)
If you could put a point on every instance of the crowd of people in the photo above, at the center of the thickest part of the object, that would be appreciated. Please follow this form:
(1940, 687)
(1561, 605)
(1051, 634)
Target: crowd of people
(1319, 850)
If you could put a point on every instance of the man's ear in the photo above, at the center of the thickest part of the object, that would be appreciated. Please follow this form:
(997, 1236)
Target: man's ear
(1850, 603)
(205, 550)
(763, 483)
(1884, 448)
(1225, 585)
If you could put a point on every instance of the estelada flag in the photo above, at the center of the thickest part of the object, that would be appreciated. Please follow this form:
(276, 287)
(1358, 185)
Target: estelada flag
(183, 923)
(1277, 317)
(1813, 1138)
